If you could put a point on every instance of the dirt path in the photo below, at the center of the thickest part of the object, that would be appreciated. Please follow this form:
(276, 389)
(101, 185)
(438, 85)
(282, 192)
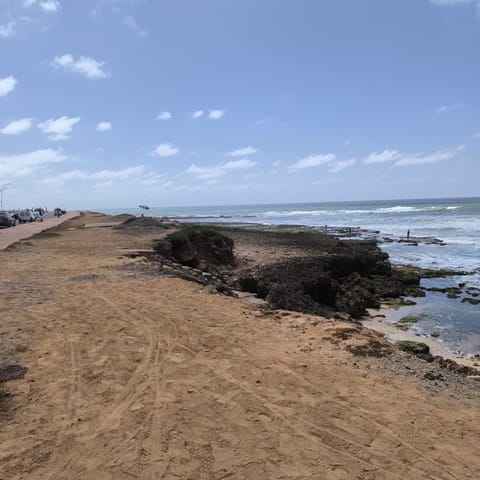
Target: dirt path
(142, 377)
(26, 230)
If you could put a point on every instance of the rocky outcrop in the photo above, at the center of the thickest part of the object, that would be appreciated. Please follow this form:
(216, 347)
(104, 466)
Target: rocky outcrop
(348, 277)
(197, 247)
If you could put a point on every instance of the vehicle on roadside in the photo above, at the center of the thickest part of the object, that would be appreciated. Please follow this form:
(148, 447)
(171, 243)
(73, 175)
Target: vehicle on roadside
(6, 220)
(58, 212)
(26, 216)
(38, 217)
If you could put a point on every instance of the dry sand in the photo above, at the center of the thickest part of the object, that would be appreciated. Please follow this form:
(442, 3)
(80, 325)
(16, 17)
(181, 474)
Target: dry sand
(134, 376)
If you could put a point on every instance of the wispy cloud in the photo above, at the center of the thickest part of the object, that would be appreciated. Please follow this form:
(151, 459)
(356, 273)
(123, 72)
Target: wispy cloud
(216, 114)
(107, 178)
(7, 29)
(48, 6)
(60, 128)
(130, 23)
(7, 85)
(86, 66)
(198, 114)
(435, 157)
(164, 116)
(211, 172)
(312, 161)
(165, 150)
(242, 152)
(448, 108)
(23, 164)
(104, 127)
(383, 157)
(17, 126)
(403, 159)
(338, 165)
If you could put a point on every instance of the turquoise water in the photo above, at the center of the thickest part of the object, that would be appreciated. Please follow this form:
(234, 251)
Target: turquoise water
(456, 221)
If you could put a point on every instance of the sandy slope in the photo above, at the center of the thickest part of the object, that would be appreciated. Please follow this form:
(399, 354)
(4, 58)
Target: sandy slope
(133, 376)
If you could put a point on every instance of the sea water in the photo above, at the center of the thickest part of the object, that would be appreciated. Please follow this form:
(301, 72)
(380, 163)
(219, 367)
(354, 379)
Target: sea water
(455, 221)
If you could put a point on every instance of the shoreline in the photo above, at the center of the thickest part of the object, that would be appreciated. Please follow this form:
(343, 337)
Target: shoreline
(438, 347)
(393, 334)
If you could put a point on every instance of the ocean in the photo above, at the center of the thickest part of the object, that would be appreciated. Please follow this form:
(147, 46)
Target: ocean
(455, 221)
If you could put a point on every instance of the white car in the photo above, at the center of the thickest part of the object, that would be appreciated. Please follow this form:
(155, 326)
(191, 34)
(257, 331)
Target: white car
(25, 216)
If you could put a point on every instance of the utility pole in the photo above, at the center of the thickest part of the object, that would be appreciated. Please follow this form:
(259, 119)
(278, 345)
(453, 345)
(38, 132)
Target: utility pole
(2, 189)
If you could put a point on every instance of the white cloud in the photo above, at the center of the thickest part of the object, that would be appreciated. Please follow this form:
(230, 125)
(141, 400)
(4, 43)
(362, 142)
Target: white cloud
(60, 128)
(215, 171)
(165, 150)
(312, 161)
(243, 164)
(86, 66)
(241, 152)
(104, 126)
(403, 159)
(438, 156)
(7, 30)
(198, 114)
(341, 164)
(476, 135)
(133, 25)
(50, 6)
(26, 163)
(17, 126)
(108, 177)
(216, 114)
(7, 85)
(447, 108)
(385, 156)
(164, 116)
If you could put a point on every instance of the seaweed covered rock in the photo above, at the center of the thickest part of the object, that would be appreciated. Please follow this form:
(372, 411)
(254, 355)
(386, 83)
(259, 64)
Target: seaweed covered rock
(416, 348)
(348, 276)
(135, 224)
(197, 247)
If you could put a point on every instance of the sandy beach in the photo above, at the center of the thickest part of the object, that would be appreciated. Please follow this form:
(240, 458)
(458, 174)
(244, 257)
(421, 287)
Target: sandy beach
(133, 373)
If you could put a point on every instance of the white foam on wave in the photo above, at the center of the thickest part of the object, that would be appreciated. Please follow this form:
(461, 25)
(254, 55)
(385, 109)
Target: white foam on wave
(333, 212)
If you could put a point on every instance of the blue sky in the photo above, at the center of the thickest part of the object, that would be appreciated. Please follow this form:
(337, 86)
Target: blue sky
(112, 103)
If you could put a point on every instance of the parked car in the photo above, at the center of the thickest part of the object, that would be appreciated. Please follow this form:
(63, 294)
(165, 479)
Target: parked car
(6, 220)
(26, 216)
(38, 217)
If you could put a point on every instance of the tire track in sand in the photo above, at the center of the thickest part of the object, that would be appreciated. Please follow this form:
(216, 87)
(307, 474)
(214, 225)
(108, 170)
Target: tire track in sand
(328, 438)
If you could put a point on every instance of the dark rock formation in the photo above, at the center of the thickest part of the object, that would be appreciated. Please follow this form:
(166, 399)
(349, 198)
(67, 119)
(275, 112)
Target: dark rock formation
(416, 348)
(350, 276)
